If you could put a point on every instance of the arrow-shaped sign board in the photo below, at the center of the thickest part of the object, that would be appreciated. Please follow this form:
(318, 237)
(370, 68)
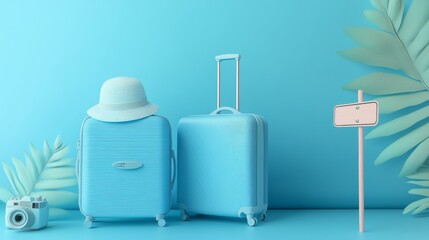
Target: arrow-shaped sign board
(356, 114)
(360, 114)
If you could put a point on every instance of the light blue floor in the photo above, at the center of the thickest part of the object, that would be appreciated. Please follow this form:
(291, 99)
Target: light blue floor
(280, 224)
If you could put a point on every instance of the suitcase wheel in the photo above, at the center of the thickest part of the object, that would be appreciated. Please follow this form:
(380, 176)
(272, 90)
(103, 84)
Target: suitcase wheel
(263, 217)
(89, 222)
(252, 221)
(162, 222)
(184, 215)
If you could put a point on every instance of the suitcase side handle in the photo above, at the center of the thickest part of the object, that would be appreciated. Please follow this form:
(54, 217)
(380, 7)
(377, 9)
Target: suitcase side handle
(232, 110)
(172, 174)
(219, 59)
(174, 166)
(127, 165)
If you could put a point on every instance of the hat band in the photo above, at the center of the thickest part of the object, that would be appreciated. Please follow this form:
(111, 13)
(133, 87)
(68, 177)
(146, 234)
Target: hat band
(123, 106)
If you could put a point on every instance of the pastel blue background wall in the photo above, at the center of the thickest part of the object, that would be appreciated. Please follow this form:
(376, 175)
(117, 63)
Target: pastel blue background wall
(54, 56)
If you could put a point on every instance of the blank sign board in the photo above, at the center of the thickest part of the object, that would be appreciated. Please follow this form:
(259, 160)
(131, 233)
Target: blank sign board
(356, 114)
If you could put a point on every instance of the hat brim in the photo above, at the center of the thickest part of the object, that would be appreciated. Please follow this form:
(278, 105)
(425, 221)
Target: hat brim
(101, 114)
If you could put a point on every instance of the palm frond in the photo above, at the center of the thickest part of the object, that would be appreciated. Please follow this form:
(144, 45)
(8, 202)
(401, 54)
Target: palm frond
(45, 173)
(420, 183)
(421, 174)
(404, 144)
(381, 83)
(399, 124)
(400, 44)
(5, 195)
(416, 159)
(422, 177)
(416, 206)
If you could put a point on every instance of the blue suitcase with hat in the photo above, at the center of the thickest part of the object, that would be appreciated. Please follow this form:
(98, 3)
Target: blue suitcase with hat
(125, 157)
(222, 168)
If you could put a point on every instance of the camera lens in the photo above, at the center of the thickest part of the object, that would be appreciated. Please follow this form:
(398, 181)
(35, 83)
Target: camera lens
(21, 218)
(18, 218)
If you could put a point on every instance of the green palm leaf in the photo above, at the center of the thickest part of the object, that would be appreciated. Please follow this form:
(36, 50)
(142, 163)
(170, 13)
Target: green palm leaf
(416, 205)
(420, 183)
(5, 195)
(416, 159)
(401, 44)
(45, 173)
(399, 124)
(404, 144)
(421, 174)
(381, 83)
(394, 103)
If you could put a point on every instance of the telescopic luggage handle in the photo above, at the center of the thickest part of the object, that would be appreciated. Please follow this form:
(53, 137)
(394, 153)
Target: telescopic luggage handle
(219, 59)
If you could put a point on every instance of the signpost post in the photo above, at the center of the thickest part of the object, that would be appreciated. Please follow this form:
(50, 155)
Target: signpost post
(360, 115)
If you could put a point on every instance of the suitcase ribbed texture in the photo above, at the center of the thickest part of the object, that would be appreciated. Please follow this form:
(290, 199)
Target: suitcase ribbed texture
(221, 164)
(106, 191)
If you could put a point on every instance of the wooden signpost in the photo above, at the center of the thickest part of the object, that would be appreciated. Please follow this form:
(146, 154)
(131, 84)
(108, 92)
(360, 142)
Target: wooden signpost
(360, 114)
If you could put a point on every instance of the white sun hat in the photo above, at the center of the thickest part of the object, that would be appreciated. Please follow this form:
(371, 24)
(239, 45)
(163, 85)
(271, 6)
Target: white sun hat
(122, 99)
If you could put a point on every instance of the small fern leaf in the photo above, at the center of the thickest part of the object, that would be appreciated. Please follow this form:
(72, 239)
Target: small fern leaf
(67, 162)
(14, 181)
(420, 183)
(22, 175)
(5, 195)
(58, 173)
(61, 153)
(58, 143)
(32, 168)
(416, 158)
(37, 157)
(55, 184)
(37, 178)
(47, 152)
(403, 144)
(380, 83)
(415, 205)
(399, 124)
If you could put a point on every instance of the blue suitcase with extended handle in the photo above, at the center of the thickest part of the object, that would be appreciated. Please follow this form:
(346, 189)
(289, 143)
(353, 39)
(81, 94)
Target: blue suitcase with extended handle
(222, 168)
